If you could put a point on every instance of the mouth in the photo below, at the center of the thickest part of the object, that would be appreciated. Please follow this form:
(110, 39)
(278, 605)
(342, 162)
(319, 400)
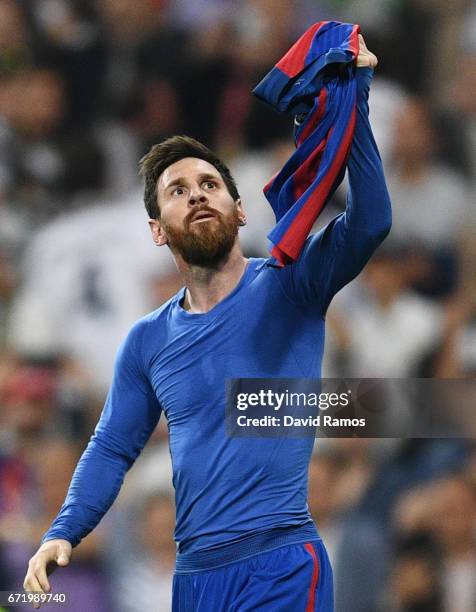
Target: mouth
(203, 215)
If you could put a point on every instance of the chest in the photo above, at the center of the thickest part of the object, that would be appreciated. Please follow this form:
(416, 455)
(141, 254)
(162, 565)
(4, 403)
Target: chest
(255, 339)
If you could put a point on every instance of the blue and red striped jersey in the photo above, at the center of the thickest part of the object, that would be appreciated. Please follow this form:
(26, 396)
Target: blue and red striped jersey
(315, 77)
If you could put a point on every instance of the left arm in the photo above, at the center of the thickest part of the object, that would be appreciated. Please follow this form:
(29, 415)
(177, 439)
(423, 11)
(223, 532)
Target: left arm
(335, 255)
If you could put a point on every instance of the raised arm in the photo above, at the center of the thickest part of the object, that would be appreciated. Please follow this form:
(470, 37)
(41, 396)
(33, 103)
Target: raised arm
(130, 415)
(334, 256)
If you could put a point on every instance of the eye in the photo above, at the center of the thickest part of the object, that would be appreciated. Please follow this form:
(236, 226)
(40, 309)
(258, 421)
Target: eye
(209, 184)
(178, 191)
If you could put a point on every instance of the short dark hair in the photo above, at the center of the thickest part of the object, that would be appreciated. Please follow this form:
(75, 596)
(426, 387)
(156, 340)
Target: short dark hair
(172, 150)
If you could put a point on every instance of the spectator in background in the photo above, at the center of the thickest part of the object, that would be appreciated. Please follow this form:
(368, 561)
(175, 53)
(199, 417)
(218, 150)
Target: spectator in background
(264, 30)
(457, 356)
(368, 528)
(460, 108)
(84, 584)
(453, 526)
(16, 52)
(434, 192)
(7, 291)
(386, 103)
(27, 394)
(415, 581)
(339, 474)
(457, 115)
(69, 37)
(139, 103)
(16, 56)
(143, 574)
(324, 471)
(431, 203)
(191, 14)
(447, 510)
(226, 57)
(127, 24)
(153, 470)
(446, 22)
(45, 168)
(400, 327)
(32, 399)
(405, 25)
(85, 282)
(26, 398)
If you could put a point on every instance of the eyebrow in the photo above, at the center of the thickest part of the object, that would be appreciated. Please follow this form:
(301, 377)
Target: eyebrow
(205, 176)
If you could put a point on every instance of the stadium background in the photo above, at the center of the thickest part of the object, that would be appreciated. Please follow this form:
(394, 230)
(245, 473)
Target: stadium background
(85, 88)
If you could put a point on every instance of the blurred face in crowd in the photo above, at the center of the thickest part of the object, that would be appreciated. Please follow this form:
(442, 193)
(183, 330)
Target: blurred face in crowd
(28, 400)
(199, 219)
(414, 582)
(58, 460)
(12, 25)
(266, 31)
(455, 514)
(385, 277)
(464, 91)
(414, 137)
(37, 103)
(129, 20)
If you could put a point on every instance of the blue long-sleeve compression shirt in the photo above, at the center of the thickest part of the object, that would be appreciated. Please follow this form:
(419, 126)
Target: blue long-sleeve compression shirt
(234, 496)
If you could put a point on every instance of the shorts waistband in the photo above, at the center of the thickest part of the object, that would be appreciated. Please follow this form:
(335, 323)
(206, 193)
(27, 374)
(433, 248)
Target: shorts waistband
(199, 561)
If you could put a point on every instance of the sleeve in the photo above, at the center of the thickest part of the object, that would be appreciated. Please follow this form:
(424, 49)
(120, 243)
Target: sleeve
(334, 256)
(129, 417)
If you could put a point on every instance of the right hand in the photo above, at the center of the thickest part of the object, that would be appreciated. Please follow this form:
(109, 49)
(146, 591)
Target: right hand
(50, 554)
(365, 59)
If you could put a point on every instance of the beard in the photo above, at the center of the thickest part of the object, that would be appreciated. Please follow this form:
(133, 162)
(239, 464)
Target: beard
(205, 244)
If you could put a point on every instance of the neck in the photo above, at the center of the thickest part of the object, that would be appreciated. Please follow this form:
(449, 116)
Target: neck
(208, 286)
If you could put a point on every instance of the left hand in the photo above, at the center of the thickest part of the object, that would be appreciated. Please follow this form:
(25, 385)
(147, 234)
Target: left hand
(365, 59)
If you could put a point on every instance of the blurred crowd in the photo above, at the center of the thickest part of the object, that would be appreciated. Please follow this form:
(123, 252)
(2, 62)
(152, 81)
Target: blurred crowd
(86, 86)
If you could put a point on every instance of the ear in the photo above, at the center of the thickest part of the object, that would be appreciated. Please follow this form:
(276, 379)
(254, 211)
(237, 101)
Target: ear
(241, 212)
(158, 234)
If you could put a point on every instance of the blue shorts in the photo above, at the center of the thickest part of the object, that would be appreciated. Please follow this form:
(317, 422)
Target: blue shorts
(295, 578)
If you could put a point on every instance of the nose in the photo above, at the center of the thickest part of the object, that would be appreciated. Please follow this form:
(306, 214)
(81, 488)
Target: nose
(197, 196)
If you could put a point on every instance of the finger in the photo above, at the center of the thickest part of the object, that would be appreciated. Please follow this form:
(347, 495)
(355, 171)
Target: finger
(43, 579)
(32, 585)
(62, 558)
(362, 45)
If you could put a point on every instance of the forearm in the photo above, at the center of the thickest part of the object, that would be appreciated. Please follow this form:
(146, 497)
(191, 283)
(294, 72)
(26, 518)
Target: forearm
(367, 217)
(336, 255)
(368, 210)
(130, 415)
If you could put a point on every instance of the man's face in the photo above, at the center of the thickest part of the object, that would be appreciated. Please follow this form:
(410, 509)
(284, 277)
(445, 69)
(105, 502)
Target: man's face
(199, 219)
